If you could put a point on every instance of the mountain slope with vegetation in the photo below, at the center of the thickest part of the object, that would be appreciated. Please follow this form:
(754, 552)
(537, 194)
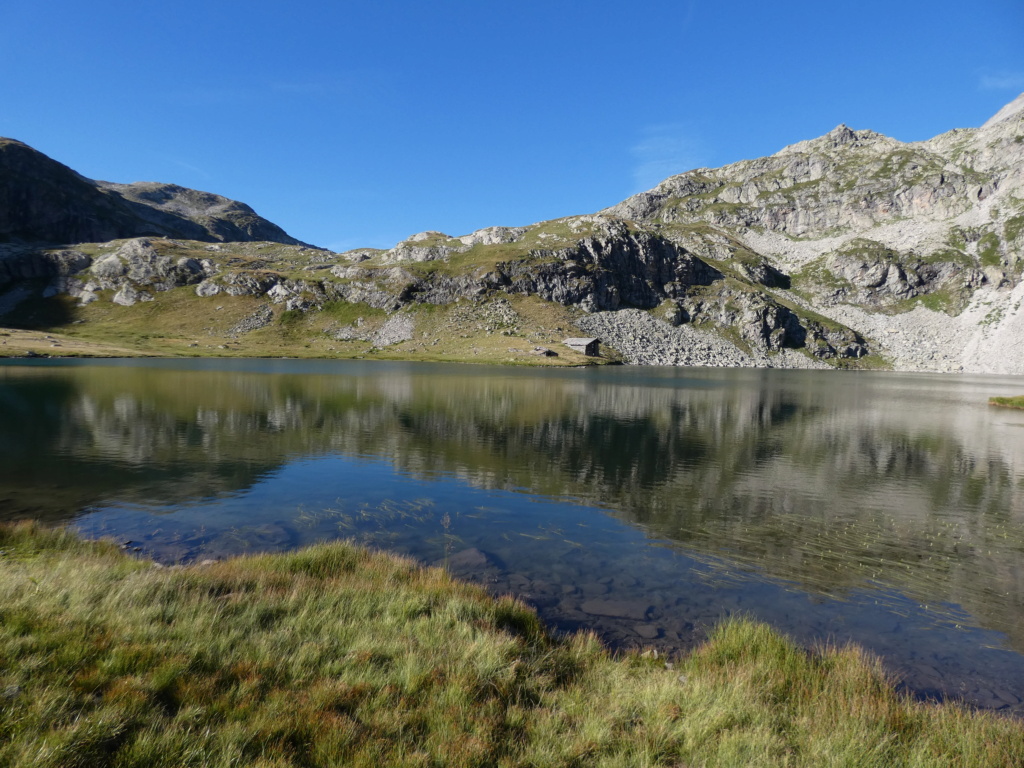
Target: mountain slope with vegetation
(849, 250)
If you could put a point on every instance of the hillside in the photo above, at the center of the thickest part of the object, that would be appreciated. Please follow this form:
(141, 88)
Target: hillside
(851, 250)
(44, 201)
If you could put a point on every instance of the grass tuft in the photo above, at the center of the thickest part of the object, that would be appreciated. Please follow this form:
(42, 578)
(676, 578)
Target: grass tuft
(1008, 402)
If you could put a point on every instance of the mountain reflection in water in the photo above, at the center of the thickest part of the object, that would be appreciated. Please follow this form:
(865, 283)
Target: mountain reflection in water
(886, 508)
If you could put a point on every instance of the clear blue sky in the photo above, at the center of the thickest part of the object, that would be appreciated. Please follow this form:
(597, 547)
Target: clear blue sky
(357, 124)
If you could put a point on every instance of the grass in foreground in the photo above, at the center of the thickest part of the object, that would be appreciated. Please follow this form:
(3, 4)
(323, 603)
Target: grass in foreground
(1008, 402)
(336, 656)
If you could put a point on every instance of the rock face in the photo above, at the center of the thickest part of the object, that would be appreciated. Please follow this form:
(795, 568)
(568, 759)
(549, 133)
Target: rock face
(133, 272)
(19, 264)
(918, 247)
(844, 181)
(617, 267)
(46, 202)
(952, 201)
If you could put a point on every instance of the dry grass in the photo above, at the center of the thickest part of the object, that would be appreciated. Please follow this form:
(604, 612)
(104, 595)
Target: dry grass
(16, 342)
(178, 323)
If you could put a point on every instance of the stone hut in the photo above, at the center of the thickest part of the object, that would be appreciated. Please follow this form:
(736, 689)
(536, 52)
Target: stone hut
(588, 347)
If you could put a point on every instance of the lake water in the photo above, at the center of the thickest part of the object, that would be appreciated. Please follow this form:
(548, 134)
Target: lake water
(642, 503)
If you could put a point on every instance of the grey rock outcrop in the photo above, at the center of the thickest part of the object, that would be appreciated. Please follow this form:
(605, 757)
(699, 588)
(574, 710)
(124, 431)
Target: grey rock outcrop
(137, 262)
(610, 265)
(133, 271)
(128, 295)
(846, 180)
(261, 318)
(621, 269)
(878, 276)
(207, 288)
(493, 236)
(423, 246)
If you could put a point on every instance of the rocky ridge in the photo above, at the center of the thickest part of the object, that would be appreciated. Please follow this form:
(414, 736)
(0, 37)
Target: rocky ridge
(42, 200)
(850, 249)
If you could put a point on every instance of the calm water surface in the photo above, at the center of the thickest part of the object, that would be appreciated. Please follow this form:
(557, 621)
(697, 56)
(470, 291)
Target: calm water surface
(645, 504)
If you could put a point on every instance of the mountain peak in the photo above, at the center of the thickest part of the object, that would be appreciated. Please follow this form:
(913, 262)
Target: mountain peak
(1013, 110)
(841, 134)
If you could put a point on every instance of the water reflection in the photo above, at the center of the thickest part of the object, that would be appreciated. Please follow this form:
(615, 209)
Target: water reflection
(897, 491)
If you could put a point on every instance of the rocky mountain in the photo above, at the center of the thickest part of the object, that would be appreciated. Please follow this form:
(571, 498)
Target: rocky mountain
(916, 245)
(852, 249)
(44, 201)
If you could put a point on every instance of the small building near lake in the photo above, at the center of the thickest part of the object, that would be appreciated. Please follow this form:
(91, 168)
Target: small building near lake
(588, 347)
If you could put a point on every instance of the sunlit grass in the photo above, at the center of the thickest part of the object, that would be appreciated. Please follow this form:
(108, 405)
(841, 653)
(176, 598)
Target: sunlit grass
(177, 323)
(334, 655)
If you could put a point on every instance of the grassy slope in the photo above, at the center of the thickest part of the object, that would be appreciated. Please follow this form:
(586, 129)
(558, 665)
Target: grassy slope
(336, 656)
(180, 324)
(15, 342)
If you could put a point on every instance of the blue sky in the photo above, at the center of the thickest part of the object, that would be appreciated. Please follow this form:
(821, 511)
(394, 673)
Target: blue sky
(358, 124)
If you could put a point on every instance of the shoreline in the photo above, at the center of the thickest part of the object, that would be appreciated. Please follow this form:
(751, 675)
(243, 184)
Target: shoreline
(1015, 403)
(42, 345)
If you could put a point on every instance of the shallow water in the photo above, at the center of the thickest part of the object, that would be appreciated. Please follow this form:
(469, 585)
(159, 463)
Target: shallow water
(642, 503)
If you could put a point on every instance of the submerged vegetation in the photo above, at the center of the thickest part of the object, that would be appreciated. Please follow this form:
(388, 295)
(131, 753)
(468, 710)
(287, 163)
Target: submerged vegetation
(334, 655)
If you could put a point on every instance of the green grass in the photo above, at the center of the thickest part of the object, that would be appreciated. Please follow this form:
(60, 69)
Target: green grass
(346, 313)
(816, 275)
(988, 250)
(1008, 402)
(869, 250)
(336, 656)
(1013, 228)
(942, 300)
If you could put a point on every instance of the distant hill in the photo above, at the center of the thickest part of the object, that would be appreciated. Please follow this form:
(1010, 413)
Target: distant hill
(42, 201)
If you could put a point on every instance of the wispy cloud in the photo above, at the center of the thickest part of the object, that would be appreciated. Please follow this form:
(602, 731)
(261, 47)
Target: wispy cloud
(189, 167)
(662, 151)
(1002, 81)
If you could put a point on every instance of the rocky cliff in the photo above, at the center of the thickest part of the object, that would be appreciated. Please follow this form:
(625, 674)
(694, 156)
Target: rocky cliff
(917, 246)
(852, 249)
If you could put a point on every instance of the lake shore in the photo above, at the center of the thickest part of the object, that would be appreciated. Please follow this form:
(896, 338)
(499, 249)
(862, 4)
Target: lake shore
(1007, 402)
(23, 343)
(335, 655)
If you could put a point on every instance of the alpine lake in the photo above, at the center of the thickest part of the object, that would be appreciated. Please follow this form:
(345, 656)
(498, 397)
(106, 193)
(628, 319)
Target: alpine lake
(644, 504)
